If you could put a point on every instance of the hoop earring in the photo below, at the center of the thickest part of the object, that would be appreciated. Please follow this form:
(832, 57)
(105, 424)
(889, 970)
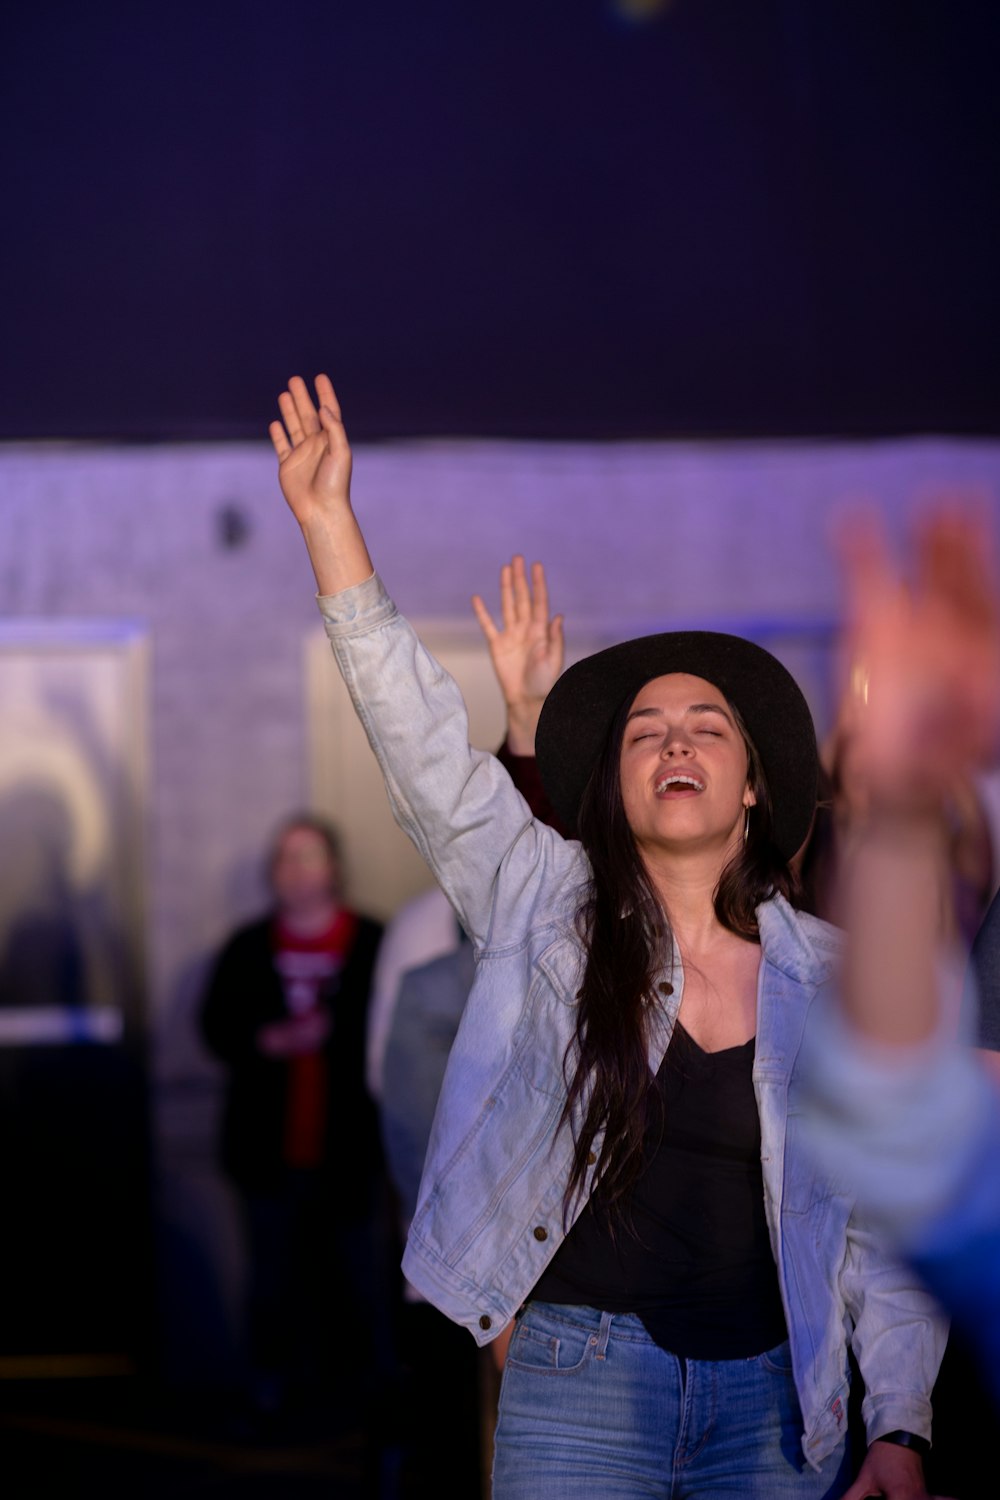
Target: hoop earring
(746, 824)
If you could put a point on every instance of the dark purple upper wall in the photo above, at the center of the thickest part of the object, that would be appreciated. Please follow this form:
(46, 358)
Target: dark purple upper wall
(530, 218)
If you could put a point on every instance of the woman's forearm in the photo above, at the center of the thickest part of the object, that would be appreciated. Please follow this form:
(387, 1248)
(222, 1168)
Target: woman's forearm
(338, 552)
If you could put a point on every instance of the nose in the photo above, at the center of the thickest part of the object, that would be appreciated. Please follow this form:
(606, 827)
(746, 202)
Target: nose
(676, 743)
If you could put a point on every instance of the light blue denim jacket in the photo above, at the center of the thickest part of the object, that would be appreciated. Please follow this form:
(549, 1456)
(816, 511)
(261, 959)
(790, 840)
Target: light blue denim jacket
(490, 1214)
(918, 1131)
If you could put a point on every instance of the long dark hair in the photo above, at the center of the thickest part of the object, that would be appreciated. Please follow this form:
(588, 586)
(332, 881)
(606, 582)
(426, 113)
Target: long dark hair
(628, 942)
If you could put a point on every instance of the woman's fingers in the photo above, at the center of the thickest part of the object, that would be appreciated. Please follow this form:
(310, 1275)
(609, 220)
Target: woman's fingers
(955, 557)
(521, 592)
(298, 413)
(864, 558)
(484, 617)
(524, 606)
(523, 603)
(335, 433)
(291, 418)
(279, 439)
(303, 404)
(301, 421)
(508, 610)
(328, 396)
(540, 590)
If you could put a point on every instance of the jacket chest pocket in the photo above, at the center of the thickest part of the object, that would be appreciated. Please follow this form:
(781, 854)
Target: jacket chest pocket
(546, 1035)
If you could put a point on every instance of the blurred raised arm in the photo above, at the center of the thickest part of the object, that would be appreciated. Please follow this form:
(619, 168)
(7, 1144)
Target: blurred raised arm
(314, 471)
(925, 677)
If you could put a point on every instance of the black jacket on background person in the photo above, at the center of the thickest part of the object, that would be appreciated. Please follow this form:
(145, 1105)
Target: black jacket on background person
(244, 993)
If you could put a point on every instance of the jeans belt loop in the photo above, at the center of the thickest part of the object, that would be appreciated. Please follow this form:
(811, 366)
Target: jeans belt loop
(603, 1335)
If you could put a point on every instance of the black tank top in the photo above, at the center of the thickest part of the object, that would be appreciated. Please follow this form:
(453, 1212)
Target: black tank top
(693, 1257)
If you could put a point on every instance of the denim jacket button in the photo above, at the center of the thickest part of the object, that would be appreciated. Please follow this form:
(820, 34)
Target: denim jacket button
(540, 1233)
(485, 1322)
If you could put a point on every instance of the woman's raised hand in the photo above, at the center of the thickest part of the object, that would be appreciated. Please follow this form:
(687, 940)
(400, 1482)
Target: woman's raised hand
(314, 471)
(527, 650)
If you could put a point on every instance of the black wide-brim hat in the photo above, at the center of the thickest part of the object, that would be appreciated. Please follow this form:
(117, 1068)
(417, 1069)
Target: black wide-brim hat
(578, 713)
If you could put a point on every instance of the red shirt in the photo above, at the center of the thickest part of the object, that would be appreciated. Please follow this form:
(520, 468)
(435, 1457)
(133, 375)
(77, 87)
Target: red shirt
(306, 966)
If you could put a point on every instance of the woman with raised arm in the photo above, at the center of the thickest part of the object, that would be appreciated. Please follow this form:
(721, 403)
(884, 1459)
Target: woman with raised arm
(615, 1165)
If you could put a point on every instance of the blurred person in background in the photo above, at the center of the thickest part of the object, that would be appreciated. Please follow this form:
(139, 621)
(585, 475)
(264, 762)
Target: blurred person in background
(967, 876)
(285, 1012)
(905, 1107)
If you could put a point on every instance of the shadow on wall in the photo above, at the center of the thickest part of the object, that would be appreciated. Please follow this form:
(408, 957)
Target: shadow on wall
(73, 1098)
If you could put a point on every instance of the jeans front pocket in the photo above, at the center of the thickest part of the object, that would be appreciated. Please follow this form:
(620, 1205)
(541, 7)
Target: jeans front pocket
(549, 1340)
(778, 1360)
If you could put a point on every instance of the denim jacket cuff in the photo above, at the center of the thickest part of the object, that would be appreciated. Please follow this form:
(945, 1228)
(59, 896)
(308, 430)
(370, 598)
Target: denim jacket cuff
(357, 609)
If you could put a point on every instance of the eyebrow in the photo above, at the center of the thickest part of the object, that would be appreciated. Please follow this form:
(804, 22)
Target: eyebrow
(692, 708)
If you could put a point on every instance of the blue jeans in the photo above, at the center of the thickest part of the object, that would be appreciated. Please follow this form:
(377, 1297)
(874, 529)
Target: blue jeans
(590, 1404)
